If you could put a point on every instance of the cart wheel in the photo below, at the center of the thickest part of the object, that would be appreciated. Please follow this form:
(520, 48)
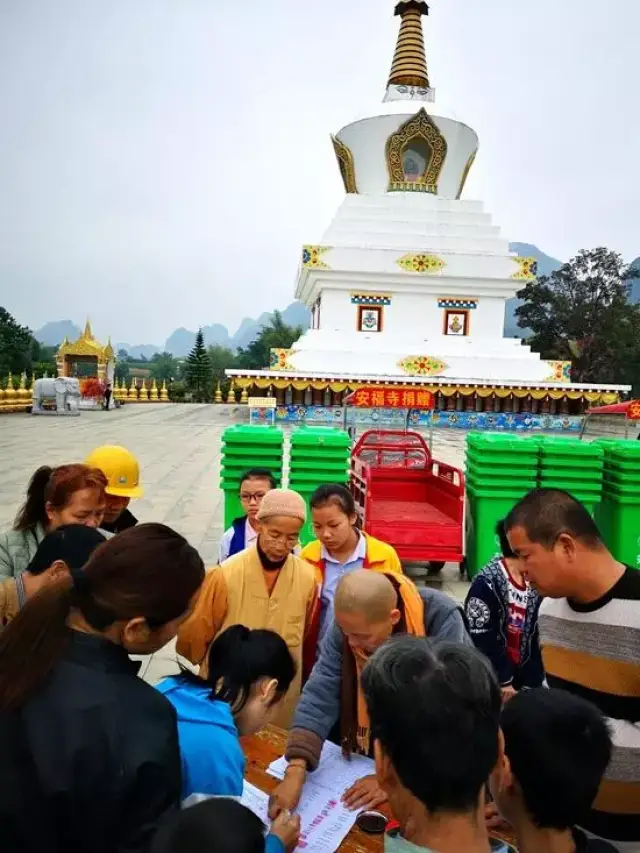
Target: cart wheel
(463, 570)
(434, 568)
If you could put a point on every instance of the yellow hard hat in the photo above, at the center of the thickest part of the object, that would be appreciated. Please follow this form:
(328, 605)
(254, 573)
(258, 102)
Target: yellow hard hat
(121, 469)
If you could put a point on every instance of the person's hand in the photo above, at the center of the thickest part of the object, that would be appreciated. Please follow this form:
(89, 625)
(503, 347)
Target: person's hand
(364, 794)
(493, 818)
(508, 692)
(287, 795)
(287, 828)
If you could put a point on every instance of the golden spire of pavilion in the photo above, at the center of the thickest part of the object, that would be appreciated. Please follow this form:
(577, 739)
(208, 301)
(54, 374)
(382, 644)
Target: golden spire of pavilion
(87, 335)
(409, 68)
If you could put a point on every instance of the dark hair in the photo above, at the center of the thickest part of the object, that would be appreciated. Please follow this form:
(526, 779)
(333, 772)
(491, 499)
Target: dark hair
(545, 514)
(435, 709)
(559, 747)
(239, 658)
(507, 550)
(259, 474)
(333, 494)
(55, 486)
(148, 570)
(71, 543)
(220, 824)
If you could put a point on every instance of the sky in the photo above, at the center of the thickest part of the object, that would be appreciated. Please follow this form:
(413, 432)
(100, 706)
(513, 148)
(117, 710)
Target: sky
(162, 161)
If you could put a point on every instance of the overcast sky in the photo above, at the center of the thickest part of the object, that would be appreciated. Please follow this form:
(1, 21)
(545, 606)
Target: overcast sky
(162, 161)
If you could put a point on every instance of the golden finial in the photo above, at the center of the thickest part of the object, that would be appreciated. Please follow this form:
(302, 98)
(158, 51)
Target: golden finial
(409, 68)
(10, 394)
(24, 396)
(87, 334)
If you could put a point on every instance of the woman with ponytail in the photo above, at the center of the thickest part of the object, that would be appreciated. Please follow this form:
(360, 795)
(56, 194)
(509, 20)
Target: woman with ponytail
(248, 675)
(70, 494)
(89, 758)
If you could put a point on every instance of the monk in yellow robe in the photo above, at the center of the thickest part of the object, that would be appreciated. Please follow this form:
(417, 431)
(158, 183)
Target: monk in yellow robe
(264, 586)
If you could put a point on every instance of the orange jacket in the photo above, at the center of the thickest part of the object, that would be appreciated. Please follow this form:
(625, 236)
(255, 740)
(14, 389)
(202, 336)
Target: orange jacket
(379, 557)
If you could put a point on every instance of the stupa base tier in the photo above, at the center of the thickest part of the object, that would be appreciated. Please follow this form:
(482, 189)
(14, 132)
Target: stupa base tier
(447, 358)
(459, 404)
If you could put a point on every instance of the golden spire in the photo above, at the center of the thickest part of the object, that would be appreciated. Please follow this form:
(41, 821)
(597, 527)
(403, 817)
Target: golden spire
(409, 69)
(87, 334)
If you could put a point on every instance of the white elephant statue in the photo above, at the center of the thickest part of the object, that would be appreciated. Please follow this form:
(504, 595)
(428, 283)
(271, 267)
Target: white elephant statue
(63, 389)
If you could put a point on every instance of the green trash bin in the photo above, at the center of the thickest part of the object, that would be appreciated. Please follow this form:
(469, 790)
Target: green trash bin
(618, 519)
(487, 507)
(247, 446)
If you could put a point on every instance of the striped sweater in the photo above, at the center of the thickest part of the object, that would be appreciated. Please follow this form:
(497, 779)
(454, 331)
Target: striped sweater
(594, 651)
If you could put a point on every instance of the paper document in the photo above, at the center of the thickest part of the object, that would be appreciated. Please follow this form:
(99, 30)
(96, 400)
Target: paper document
(324, 821)
(334, 770)
(256, 801)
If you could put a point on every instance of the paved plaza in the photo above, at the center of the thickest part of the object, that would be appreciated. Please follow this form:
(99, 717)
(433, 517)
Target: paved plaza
(179, 451)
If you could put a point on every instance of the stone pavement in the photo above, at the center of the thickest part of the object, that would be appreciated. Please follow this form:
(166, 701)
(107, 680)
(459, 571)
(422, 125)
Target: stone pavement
(179, 451)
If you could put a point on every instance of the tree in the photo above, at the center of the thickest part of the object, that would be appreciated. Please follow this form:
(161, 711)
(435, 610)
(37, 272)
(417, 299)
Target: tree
(198, 371)
(581, 313)
(164, 367)
(277, 335)
(122, 371)
(17, 345)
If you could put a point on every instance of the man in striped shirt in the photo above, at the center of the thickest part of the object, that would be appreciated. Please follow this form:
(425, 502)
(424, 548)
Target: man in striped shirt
(590, 636)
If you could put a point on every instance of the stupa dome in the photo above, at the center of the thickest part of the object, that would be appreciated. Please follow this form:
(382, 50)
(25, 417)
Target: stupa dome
(405, 148)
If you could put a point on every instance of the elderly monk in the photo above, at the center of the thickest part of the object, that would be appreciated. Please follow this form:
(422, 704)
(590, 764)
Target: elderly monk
(264, 586)
(369, 607)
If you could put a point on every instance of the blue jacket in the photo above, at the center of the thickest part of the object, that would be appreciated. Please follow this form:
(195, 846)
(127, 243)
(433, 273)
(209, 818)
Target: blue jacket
(486, 609)
(212, 758)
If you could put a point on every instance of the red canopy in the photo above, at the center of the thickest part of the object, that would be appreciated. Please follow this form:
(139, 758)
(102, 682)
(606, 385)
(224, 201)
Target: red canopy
(631, 408)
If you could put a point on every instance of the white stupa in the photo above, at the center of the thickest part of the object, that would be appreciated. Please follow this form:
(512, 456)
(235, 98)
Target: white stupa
(410, 280)
(409, 273)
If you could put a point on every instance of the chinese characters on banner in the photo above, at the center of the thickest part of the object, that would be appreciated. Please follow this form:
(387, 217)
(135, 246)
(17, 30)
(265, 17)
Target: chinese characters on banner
(633, 412)
(392, 398)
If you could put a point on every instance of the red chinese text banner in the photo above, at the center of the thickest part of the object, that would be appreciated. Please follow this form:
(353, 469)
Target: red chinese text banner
(391, 398)
(633, 412)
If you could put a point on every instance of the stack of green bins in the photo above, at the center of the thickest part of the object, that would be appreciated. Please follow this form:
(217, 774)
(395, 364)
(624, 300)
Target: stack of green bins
(246, 446)
(574, 466)
(618, 516)
(318, 455)
(500, 470)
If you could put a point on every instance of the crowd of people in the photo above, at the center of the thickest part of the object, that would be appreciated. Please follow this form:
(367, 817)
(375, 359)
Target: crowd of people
(523, 705)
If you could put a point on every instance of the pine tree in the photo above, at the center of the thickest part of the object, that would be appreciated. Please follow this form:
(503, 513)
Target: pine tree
(199, 372)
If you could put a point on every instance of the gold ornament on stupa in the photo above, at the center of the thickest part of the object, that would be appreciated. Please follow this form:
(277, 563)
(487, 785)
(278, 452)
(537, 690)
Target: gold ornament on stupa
(409, 77)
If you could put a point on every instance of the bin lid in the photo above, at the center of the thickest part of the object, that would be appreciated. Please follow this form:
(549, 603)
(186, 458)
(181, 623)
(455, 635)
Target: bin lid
(499, 484)
(252, 434)
(319, 436)
(553, 446)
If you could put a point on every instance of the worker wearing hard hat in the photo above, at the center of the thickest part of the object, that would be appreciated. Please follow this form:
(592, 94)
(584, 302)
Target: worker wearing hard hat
(122, 471)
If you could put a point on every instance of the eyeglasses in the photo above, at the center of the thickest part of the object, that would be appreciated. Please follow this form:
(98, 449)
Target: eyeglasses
(246, 498)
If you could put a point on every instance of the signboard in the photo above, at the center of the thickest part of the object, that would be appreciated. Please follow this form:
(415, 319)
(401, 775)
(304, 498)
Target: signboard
(262, 402)
(633, 412)
(394, 397)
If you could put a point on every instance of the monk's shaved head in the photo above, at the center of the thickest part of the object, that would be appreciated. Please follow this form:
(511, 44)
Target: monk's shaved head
(366, 592)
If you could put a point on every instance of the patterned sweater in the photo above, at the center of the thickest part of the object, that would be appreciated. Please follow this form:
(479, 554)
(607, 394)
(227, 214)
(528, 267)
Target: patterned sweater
(496, 605)
(594, 651)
